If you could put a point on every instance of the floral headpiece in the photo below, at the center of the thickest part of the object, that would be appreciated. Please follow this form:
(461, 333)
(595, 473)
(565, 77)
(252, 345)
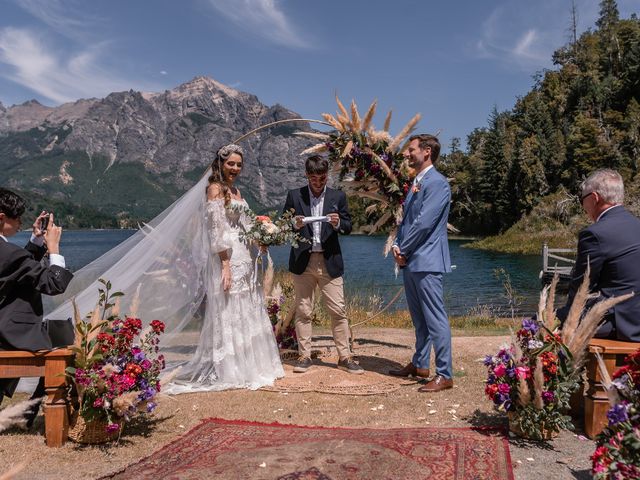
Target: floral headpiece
(227, 150)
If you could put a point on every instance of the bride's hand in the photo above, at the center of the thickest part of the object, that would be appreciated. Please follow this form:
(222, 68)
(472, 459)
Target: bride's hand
(263, 248)
(226, 277)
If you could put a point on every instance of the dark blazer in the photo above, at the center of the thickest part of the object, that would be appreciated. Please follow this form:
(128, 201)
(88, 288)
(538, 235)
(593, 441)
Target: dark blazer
(612, 247)
(22, 281)
(335, 201)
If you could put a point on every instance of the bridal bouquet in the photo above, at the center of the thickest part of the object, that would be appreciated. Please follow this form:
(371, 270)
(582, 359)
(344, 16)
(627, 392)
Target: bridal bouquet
(618, 453)
(533, 377)
(270, 230)
(117, 366)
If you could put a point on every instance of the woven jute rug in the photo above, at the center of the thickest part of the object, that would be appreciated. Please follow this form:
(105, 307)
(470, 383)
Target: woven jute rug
(221, 449)
(325, 377)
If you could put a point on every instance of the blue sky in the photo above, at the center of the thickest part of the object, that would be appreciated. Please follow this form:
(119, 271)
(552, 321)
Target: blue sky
(452, 61)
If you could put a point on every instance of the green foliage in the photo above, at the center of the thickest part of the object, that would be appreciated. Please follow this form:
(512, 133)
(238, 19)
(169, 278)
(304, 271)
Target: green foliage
(579, 117)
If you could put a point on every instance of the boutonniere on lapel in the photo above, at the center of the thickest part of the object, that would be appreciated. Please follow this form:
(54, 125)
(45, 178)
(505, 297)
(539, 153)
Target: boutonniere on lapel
(416, 188)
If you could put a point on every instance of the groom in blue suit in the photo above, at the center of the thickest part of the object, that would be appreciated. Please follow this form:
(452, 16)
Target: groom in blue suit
(422, 251)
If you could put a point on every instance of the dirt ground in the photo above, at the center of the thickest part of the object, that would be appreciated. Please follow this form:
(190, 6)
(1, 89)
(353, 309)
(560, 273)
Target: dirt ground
(566, 457)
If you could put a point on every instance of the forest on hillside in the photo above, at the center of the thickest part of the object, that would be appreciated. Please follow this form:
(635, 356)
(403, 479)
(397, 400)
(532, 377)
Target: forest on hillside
(578, 117)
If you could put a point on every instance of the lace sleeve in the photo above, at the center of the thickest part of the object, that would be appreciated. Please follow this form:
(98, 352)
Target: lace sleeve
(218, 226)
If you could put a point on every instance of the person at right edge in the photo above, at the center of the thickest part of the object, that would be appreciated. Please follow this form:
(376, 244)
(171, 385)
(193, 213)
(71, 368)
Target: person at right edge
(421, 250)
(611, 247)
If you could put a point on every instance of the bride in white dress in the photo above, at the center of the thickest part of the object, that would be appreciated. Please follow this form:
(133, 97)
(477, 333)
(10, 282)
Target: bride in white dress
(237, 347)
(189, 257)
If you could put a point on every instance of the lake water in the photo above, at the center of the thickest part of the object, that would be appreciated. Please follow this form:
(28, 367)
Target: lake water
(471, 285)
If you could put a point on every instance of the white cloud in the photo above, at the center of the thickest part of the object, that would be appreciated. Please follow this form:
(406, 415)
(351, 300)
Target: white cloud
(516, 39)
(163, 72)
(524, 35)
(62, 16)
(32, 63)
(263, 18)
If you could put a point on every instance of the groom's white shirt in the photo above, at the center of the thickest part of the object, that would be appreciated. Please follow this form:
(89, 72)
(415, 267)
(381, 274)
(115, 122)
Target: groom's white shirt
(317, 206)
(421, 175)
(54, 258)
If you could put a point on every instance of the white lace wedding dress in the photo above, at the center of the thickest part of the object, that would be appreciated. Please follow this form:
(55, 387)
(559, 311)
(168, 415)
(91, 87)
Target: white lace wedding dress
(236, 348)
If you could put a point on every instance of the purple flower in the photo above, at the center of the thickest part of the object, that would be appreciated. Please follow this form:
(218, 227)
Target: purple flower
(618, 413)
(531, 325)
(138, 357)
(488, 360)
(548, 397)
(146, 364)
(151, 407)
(511, 372)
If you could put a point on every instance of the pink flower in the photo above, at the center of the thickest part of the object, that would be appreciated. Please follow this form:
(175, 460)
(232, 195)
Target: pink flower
(523, 372)
(504, 388)
(500, 370)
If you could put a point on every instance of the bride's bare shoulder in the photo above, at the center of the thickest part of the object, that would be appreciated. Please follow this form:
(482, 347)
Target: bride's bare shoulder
(214, 191)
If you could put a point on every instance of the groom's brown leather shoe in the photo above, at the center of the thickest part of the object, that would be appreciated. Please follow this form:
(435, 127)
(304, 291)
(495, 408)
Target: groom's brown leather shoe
(438, 383)
(408, 370)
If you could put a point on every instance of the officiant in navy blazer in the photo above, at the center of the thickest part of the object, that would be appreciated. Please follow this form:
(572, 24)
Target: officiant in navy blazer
(611, 247)
(23, 279)
(421, 249)
(318, 262)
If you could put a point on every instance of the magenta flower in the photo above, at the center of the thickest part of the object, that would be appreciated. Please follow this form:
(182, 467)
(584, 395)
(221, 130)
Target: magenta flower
(500, 370)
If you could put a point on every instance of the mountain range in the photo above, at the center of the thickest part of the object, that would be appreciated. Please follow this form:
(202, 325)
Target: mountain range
(122, 159)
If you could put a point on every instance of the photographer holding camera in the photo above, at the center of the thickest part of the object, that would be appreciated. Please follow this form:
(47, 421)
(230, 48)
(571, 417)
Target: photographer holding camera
(23, 279)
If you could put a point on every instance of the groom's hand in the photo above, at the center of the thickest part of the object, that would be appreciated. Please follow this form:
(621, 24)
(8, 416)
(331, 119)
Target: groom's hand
(299, 223)
(398, 257)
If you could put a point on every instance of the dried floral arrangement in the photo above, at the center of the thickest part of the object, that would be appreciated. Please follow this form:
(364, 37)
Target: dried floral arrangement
(369, 162)
(533, 377)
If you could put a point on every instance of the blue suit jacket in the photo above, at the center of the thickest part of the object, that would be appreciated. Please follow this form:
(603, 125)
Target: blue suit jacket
(612, 247)
(422, 235)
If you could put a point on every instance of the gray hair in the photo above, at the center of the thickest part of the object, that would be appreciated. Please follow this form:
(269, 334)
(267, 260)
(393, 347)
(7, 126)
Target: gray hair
(608, 183)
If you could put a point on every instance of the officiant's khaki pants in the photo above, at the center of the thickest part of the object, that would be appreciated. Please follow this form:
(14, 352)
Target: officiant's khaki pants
(332, 290)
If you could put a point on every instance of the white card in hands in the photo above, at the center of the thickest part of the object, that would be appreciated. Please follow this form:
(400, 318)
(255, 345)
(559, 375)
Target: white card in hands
(322, 218)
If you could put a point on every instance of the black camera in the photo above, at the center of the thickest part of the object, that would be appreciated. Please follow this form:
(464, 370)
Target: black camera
(44, 222)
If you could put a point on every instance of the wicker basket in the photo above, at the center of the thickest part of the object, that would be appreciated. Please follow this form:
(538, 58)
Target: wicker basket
(515, 428)
(91, 432)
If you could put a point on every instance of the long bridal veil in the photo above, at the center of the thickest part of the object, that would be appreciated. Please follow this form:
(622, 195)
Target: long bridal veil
(162, 265)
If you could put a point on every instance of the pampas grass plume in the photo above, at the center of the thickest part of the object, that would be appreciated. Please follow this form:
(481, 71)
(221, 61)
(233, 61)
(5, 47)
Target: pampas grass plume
(524, 394)
(168, 377)
(122, 403)
(355, 117)
(550, 312)
(341, 107)
(369, 115)
(612, 391)
(538, 384)
(135, 303)
(334, 123)
(542, 304)
(13, 416)
(317, 148)
(589, 325)
(408, 128)
(387, 121)
(577, 306)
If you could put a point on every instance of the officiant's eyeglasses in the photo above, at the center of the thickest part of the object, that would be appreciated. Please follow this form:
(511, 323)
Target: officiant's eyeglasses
(585, 196)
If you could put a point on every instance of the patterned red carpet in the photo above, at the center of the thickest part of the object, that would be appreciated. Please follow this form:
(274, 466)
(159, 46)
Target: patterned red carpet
(238, 449)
